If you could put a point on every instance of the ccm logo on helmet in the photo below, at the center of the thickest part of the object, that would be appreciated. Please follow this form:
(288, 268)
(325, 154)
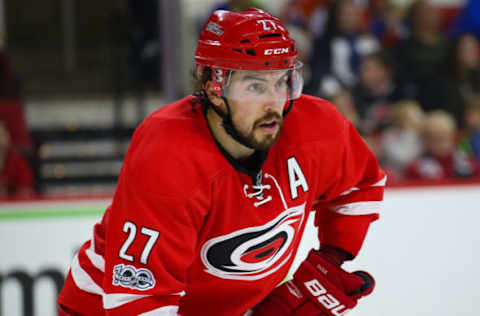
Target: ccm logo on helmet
(327, 300)
(276, 51)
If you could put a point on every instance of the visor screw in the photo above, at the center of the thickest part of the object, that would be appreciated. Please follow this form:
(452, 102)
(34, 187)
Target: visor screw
(285, 61)
(267, 63)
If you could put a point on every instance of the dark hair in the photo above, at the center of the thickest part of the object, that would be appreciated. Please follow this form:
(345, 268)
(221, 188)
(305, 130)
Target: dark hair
(383, 57)
(198, 82)
(331, 27)
(452, 68)
(411, 14)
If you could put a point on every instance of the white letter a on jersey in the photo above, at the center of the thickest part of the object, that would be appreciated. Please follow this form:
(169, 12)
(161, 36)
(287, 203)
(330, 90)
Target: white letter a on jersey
(296, 177)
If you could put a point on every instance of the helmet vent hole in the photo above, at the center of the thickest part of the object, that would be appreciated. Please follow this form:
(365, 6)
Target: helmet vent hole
(251, 52)
(270, 35)
(237, 50)
(245, 41)
(267, 63)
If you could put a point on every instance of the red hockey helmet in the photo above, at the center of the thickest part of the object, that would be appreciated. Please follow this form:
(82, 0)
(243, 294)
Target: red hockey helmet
(251, 40)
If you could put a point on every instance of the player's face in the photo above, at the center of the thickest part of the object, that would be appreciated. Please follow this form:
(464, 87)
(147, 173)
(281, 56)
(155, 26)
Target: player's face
(257, 100)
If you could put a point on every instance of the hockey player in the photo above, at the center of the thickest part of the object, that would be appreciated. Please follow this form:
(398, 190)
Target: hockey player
(215, 190)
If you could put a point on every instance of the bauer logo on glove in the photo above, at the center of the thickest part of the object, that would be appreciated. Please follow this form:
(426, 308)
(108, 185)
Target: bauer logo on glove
(326, 299)
(320, 287)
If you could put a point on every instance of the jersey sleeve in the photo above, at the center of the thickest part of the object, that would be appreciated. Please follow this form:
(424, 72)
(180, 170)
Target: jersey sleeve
(151, 237)
(353, 200)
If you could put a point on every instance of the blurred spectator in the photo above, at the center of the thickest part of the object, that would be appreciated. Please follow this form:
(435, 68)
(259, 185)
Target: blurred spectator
(337, 55)
(421, 56)
(16, 145)
(11, 107)
(469, 19)
(9, 87)
(13, 116)
(401, 143)
(386, 22)
(376, 91)
(470, 142)
(459, 80)
(310, 15)
(344, 102)
(465, 64)
(463, 79)
(441, 159)
(16, 178)
(304, 47)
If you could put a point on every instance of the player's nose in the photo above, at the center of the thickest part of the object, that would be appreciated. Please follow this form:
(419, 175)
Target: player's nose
(273, 104)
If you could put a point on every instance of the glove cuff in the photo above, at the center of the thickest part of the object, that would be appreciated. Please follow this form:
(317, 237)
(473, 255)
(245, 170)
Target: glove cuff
(334, 254)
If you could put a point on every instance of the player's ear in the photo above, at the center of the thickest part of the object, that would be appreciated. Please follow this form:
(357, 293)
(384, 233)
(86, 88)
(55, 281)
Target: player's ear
(212, 92)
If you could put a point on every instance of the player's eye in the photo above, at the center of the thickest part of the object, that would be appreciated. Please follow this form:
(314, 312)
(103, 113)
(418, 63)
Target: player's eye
(282, 83)
(256, 88)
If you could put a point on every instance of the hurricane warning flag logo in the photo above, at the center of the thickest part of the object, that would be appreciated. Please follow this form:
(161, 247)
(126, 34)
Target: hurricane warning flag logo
(255, 252)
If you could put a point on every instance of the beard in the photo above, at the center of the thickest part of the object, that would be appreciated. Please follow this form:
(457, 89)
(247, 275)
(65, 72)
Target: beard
(266, 141)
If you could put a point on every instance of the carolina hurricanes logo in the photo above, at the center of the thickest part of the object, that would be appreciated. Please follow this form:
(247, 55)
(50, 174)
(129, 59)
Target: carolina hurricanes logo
(255, 252)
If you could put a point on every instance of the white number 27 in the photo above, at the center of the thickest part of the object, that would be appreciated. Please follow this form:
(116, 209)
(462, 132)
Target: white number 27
(131, 229)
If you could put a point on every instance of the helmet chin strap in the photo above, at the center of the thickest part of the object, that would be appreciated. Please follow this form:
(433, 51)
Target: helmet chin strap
(289, 108)
(227, 123)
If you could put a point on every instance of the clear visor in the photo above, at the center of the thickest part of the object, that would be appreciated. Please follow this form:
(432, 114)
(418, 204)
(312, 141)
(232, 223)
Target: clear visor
(265, 85)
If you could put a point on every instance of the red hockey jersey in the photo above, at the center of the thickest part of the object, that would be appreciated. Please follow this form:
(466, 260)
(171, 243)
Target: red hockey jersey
(191, 232)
